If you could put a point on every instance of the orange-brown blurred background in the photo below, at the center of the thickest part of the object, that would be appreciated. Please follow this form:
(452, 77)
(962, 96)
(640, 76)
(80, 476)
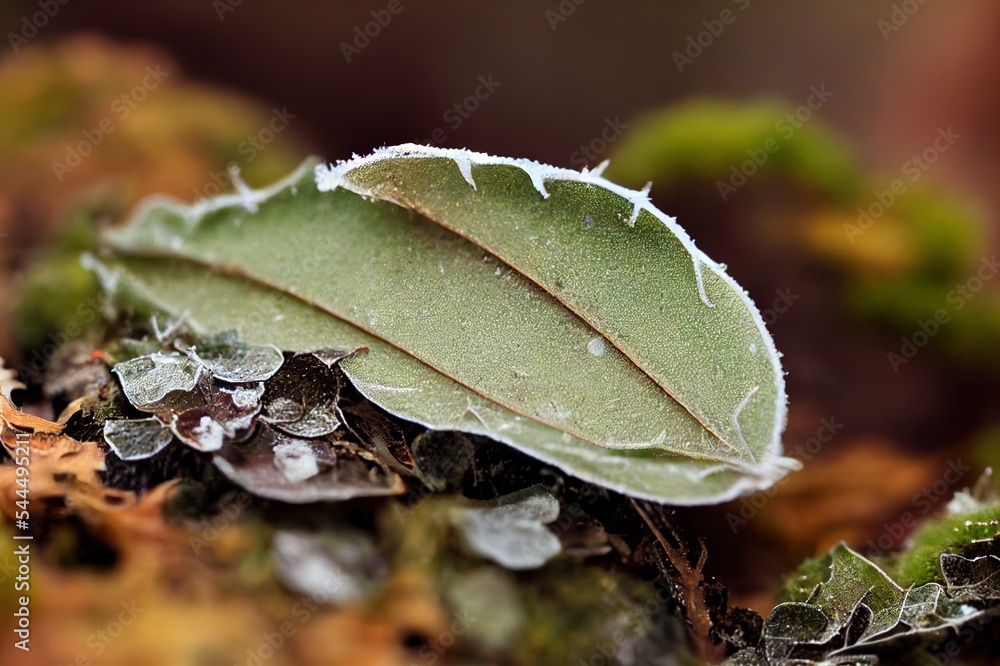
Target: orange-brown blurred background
(561, 73)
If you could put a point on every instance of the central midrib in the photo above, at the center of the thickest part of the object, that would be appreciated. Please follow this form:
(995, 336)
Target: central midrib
(242, 273)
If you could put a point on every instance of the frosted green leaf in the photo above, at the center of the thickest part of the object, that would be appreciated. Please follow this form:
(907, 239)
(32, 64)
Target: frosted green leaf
(240, 364)
(148, 379)
(510, 530)
(617, 352)
(136, 439)
(792, 625)
(635, 277)
(856, 580)
(920, 604)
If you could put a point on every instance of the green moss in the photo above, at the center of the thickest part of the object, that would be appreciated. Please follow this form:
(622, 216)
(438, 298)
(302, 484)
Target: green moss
(59, 299)
(704, 139)
(949, 534)
(899, 266)
(945, 234)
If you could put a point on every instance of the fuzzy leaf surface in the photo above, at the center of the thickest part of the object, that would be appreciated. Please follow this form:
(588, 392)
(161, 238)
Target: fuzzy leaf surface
(617, 352)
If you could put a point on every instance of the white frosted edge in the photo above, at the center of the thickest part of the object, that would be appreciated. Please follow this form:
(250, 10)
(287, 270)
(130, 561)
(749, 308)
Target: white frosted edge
(249, 197)
(245, 196)
(599, 169)
(330, 177)
(753, 478)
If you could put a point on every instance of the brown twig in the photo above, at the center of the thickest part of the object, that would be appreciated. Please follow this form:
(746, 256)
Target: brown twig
(696, 612)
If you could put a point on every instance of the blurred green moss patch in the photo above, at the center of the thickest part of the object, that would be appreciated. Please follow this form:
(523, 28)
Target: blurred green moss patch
(90, 127)
(905, 252)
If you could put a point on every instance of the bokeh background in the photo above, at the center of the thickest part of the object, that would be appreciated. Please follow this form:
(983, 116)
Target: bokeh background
(680, 93)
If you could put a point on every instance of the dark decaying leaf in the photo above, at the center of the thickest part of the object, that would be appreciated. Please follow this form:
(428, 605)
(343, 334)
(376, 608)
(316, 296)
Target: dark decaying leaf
(219, 413)
(301, 398)
(379, 433)
(198, 430)
(265, 416)
(441, 458)
(198, 408)
(971, 579)
(283, 467)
